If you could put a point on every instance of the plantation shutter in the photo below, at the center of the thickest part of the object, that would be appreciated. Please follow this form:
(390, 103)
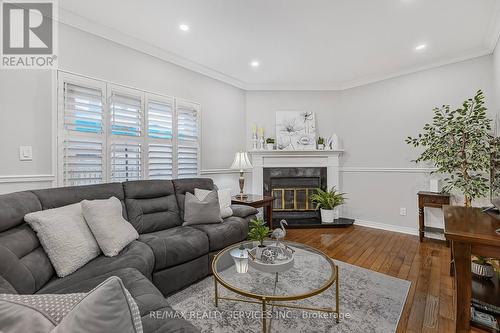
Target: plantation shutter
(126, 139)
(83, 136)
(126, 161)
(160, 138)
(187, 139)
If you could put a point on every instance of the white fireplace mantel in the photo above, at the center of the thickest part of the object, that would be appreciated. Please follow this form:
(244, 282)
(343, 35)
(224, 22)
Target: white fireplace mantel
(295, 159)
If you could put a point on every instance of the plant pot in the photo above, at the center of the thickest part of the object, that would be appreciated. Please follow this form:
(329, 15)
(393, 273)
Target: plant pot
(485, 271)
(321, 147)
(327, 215)
(258, 251)
(270, 146)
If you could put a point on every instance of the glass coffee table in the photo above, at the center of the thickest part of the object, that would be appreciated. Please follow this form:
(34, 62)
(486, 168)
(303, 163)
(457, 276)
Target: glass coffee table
(313, 272)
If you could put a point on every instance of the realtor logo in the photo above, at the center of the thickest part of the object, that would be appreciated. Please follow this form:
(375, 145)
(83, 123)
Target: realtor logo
(28, 34)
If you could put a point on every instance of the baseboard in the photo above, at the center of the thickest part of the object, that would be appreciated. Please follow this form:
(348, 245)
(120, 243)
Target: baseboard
(387, 227)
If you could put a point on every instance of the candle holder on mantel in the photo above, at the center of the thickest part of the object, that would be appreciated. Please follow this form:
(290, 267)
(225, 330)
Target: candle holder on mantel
(261, 143)
(255, 141)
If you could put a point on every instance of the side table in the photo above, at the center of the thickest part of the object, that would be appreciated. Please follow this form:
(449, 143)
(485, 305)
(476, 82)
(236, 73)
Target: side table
(257, 201)
(434, 200)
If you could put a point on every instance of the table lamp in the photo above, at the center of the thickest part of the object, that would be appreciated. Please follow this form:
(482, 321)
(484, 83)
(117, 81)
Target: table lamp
(241, 162)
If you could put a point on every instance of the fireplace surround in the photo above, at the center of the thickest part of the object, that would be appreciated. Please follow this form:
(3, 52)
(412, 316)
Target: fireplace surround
(292, 188)
(328, 160)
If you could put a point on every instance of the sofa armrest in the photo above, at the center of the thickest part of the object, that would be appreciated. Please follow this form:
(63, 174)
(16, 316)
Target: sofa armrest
(243, 210)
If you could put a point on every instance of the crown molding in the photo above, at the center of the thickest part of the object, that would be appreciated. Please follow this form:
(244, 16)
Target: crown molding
(74, 20)
(491, 39)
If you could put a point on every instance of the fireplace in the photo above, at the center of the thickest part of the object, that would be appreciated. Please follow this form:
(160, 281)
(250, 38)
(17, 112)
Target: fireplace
(292, 188)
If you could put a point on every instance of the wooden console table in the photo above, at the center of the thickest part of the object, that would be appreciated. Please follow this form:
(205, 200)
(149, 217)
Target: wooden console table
(471, 231)
(257, 201)
(434, 200)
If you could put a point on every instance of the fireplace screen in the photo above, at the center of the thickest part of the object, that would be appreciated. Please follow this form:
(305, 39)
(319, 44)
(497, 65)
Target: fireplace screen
(288, 199)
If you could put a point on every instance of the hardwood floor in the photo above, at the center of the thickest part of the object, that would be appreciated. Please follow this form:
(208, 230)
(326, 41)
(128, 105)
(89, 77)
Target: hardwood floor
(429, 306)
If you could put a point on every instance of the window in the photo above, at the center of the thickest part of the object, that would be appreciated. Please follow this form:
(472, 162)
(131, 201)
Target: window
(110, 133)
(187, 132)
(160, 117)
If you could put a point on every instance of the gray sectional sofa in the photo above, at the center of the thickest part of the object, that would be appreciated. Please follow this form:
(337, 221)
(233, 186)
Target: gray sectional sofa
(166, 258)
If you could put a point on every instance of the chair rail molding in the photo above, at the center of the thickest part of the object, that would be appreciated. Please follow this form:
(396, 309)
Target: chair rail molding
(27, 178)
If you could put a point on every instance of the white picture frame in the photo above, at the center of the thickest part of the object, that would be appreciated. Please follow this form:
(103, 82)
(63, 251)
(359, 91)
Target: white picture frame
(295, 130)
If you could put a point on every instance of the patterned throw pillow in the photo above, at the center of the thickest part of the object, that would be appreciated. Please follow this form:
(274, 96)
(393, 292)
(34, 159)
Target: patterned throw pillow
(107, 308)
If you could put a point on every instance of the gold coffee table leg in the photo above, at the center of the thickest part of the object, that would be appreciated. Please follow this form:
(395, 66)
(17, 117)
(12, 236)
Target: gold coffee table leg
(264, 328)
(337, 296)
(216, 294)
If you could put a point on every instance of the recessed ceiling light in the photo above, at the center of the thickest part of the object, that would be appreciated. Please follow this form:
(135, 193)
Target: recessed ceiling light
(255, 63)
(184, 27)
(421, 47)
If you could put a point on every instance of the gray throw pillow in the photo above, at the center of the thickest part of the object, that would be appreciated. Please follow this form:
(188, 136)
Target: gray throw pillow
(107, 308)
(201, 211)
(65, 236)
(224, 196)
(110, 229)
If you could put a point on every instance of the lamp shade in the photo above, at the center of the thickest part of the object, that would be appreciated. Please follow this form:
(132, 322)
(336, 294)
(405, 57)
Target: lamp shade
(241, 161)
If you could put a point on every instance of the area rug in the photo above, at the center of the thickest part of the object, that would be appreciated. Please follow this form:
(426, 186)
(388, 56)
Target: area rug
(369, 302)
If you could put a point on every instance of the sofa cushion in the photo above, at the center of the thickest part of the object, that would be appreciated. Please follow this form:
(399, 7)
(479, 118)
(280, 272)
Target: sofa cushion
(24, 264)
(232, 230)
(243, 210)
(151, 205)
(181, 186)
(65, 236)
(146, 295)
(175, 246)
(136, 255)
(14, 206)
(63, 196)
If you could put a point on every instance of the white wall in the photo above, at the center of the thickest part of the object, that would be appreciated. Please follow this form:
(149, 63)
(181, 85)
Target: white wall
(373, 121)
(27, 97)
(496, 73)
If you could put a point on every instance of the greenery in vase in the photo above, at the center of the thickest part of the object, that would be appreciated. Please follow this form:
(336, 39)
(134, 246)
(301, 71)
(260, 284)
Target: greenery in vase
(270, 140)
(321, 141)
(458, 143)
(328, 199)
(258, 230)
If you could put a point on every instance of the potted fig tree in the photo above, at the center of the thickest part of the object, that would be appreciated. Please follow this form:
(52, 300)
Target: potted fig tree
(327, 202)
(258, 231)
(459, 143)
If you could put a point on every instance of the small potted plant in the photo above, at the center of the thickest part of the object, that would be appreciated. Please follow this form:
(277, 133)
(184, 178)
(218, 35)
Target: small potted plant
(258, 231)
(270, 144)
(328, 202)
(321, 143)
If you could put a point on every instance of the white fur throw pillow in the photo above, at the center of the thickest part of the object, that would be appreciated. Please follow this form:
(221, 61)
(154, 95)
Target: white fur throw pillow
(65, 237)
(224, 200)
(106, 222)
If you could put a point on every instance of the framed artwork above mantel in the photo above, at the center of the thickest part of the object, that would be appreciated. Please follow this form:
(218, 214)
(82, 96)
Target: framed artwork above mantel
(295, 130)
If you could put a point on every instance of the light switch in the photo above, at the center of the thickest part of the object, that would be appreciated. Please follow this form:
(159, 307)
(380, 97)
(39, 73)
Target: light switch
(25, 153)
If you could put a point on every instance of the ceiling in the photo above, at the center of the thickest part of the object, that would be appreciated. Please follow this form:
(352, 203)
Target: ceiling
(300, 44)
